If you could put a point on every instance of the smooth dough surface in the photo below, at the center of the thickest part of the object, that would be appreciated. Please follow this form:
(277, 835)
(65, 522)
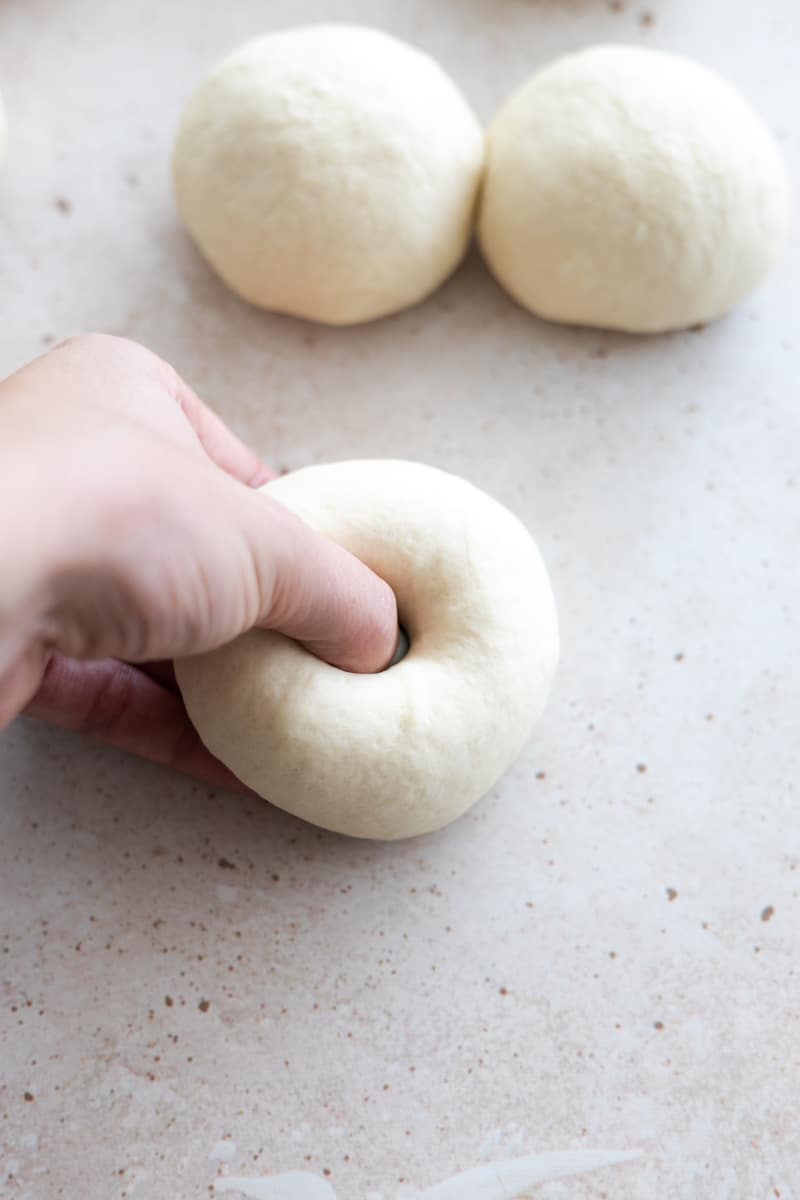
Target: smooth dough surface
(404, 751)
(631, 189)
(330, 172)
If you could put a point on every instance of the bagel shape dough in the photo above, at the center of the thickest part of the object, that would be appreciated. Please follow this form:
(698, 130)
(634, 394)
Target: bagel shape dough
(409, 749)
(631, 189)
(329, 172)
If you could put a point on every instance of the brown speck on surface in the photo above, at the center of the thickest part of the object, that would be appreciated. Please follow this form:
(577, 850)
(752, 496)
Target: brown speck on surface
(641, 768)
(767, 913)
(326, 1170)
(28, 1097)
(616, 5)
(672, 894)
(647, 19)
(63, 205)
(541, 775)
(659, 1025)
(169, 1001)
(204, 1006)
(679, 657)
(226, 864)
(503, 991)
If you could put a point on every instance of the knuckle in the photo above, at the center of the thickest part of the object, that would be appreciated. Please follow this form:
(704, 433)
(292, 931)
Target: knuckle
(92, 343)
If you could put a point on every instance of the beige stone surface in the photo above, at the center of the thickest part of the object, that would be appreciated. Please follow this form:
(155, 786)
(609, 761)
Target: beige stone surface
(604, 952)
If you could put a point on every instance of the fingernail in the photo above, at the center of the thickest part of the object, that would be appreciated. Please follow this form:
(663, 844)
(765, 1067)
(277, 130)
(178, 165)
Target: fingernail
(401, 649)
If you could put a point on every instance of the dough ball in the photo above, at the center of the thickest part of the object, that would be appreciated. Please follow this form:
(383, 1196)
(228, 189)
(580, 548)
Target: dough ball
(330, 172)
(632, 190)
(404, 751)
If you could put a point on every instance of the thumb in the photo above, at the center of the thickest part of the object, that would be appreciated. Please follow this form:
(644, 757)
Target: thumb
(318, 593)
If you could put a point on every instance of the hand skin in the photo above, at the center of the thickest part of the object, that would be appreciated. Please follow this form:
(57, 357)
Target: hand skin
(131, 534)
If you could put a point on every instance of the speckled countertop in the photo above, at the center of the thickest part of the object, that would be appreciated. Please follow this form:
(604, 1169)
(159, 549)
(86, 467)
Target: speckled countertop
(605, 951)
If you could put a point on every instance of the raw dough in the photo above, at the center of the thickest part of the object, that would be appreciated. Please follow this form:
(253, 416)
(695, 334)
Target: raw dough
(330, 172)
(405, 751)
(631, 189)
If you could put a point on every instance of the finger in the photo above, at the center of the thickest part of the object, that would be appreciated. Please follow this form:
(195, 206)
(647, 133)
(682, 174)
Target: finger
(119, 704)
(220, 444)
(321, 595)
(18, 682)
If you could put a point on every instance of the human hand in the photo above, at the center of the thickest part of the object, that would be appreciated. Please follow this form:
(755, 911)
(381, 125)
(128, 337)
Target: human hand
(133, 534)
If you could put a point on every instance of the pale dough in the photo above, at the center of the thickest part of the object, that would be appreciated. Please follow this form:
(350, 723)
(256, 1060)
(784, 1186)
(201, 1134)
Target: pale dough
(330, 172)
(631, 189)
(405, 751)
